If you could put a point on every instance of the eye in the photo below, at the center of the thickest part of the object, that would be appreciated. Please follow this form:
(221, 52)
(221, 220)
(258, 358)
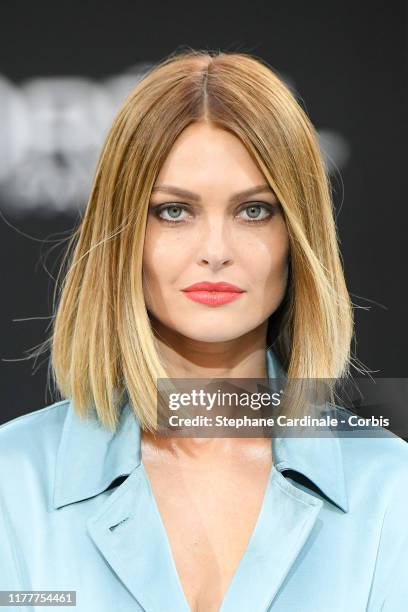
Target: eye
(258, 212)
(174, 211)
(254, 210)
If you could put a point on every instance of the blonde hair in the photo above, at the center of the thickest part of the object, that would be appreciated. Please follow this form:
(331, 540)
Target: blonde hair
(102, 344)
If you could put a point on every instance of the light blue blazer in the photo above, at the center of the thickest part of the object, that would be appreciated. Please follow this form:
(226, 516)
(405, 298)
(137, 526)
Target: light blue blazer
(77, 513)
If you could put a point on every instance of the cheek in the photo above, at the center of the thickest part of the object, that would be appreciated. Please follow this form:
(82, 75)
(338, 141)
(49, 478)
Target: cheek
(268, 260)
(163, 257)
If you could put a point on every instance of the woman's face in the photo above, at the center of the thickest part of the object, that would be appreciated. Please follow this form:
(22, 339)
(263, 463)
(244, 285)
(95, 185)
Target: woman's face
(202, 228)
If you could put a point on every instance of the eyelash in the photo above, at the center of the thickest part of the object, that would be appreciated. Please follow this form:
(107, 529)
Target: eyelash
(160, 207)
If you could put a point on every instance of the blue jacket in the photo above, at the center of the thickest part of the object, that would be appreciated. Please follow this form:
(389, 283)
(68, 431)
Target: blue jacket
(77, 513)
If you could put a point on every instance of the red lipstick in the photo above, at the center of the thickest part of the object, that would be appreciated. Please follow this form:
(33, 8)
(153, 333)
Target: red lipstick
(213, 294)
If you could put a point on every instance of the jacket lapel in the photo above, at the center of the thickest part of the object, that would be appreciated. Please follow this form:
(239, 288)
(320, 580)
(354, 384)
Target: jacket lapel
(286, 519)
(129, 533)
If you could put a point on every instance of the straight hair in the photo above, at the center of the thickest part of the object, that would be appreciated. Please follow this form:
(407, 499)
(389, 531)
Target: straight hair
(103, 347)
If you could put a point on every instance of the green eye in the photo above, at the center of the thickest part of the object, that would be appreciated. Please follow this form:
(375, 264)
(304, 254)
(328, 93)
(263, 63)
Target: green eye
(173, 208)
(253, 209)
(254, 212)
(170, 209)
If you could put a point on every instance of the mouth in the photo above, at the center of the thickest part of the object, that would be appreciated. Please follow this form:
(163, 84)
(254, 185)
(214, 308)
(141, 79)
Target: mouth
(213, 294)
(221, 287)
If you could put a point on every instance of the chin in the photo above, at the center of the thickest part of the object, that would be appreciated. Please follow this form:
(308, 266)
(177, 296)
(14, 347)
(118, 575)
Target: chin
(212, 335)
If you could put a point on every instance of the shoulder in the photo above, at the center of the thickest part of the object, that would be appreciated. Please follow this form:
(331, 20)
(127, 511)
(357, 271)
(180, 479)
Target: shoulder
(375, 467)
(372, 443)
(28, 451)
(384, 453)
(376, 472)
(374, 451)
(375, 463)
(29, 443)
(24, 430)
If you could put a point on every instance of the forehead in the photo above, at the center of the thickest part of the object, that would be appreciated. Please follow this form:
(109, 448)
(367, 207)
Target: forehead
(204, 155)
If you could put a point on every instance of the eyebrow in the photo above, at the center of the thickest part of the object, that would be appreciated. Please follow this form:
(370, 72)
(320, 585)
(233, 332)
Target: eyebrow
(184, 193)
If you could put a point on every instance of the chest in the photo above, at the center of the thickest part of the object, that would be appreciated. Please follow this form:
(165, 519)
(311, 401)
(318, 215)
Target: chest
(209, 515)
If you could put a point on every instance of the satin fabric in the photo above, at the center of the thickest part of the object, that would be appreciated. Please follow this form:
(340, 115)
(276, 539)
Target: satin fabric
(77, 512)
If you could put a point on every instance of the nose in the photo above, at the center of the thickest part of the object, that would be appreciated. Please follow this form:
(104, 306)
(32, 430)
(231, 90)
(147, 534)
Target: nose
(215, 244)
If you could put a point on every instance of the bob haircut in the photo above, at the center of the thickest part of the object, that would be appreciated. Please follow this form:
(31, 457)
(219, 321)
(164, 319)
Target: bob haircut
(103, 345)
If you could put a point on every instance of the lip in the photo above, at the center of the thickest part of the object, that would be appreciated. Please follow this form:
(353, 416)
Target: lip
(213, 298)
(219, 287)
(213, 294)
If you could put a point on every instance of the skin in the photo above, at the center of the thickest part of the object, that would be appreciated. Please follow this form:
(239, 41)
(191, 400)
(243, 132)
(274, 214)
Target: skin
(213, 240)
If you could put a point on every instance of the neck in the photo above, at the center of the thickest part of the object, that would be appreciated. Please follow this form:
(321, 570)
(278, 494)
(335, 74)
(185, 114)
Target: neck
(182, 357)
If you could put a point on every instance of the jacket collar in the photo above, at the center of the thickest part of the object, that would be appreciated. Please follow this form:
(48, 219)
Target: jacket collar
(90, 458)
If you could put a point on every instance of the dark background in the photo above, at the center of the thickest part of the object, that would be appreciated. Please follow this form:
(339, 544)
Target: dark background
(348, 64)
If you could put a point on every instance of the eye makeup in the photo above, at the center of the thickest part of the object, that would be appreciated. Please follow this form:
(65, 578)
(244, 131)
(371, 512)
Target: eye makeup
(269, 209)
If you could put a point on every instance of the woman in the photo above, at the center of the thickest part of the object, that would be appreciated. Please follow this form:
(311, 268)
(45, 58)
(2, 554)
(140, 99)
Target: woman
(211, 173)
